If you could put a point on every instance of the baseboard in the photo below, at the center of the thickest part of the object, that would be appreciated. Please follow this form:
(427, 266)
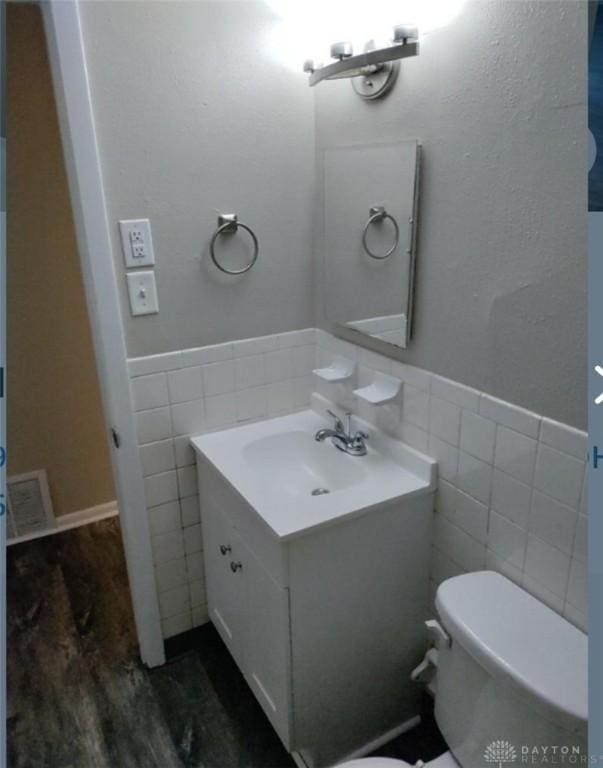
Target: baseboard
(298, 760)
(384, 739)
(368, 748)
(71, 520)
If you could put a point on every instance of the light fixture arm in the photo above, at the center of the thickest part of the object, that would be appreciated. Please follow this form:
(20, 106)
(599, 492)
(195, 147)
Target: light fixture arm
(364, 63)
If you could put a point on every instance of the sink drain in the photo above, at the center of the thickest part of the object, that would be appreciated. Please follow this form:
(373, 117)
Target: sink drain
(320, 491)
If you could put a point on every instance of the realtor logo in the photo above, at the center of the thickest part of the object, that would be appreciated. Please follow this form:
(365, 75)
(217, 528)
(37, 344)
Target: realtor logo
(500, 752)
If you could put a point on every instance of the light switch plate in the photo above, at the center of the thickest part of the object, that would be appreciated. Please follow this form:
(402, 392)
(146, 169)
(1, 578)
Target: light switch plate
(137, 243)
(142, 292)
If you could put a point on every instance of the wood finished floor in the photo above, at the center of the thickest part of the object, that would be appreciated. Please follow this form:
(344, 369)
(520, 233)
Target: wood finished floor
(79, 697)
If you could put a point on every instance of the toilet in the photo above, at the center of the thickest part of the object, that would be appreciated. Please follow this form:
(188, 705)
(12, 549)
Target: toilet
(511, 679)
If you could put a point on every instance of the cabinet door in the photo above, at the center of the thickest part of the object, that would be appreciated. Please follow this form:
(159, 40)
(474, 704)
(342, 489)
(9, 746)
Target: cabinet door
(225, 588)
(266, 643)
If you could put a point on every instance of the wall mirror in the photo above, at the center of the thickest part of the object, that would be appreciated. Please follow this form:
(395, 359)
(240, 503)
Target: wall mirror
(370, 215)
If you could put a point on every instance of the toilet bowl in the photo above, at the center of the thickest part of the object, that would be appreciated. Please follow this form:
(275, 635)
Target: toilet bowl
(511, 677)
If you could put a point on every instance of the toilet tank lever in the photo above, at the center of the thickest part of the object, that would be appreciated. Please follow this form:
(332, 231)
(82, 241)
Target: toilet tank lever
(430, 661)
(438, 633)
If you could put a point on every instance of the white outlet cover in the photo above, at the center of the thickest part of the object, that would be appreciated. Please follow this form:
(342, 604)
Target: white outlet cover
(142, 292)
(137, 243)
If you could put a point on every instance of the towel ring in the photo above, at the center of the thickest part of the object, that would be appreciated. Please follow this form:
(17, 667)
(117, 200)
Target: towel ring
(378, 213)
(228, 223)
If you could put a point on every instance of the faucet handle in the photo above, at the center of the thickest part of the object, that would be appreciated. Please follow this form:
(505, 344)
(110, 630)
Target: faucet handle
(338, 422)
(359, 440)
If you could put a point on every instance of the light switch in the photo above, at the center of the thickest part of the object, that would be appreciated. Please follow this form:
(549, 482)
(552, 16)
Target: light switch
(142, 292)
(137, 243)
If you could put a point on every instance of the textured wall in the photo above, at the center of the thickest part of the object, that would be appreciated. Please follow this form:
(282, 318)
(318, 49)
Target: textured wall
(498, 100)
(54, 415)
(194, 116)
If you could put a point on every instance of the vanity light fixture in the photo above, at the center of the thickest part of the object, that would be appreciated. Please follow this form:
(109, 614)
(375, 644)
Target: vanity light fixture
(374, 71)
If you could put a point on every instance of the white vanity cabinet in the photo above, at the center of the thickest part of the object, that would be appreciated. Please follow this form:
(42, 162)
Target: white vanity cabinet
(251, 613)
(325, 626)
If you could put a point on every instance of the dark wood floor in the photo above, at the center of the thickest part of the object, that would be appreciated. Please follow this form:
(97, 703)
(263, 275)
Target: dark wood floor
(79, 697)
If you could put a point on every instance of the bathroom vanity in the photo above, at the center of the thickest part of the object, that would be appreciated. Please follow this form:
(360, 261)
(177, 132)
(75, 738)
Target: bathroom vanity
(317, 577)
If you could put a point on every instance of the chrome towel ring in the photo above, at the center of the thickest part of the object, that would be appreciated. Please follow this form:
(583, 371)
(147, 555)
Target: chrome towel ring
(378, 213)
(228, 224)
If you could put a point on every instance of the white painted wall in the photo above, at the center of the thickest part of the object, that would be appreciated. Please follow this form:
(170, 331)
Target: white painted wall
(498, 99)
(195, 115)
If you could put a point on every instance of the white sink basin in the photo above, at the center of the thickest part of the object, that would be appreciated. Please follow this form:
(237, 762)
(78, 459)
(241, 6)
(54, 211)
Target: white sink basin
(293, 463)
(297, 484)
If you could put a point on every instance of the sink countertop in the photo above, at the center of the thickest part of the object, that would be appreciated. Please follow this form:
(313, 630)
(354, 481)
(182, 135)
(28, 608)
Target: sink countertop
(275, 465)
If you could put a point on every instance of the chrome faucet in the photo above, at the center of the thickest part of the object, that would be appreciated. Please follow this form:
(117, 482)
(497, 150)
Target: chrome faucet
(342, 437)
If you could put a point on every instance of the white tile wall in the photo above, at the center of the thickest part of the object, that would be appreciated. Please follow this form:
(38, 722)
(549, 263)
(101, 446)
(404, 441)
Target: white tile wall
(191, 391)
(150, 391)
(164, 518)
(511, 493)
(183, 384)
(153, 425)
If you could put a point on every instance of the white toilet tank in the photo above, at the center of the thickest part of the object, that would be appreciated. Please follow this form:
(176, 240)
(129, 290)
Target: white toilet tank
(512, 685)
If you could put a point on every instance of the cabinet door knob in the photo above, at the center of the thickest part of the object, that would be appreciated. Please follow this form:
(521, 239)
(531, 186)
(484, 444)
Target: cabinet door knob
(235, 566)
(225, 549)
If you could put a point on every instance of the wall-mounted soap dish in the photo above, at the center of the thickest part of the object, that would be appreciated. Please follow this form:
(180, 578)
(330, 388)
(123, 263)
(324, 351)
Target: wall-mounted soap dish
(340, 369)
(383, 389)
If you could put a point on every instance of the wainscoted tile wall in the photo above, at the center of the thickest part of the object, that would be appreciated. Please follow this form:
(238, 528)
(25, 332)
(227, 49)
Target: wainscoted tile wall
(511, 491)
(183, 393)
(512, 485)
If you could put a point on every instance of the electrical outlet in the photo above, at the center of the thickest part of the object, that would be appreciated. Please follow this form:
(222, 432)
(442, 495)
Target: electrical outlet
(142, 292)
(139, 253)
(137, 243)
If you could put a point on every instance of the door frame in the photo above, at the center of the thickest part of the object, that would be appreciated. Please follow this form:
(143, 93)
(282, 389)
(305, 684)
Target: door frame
(66, 52)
